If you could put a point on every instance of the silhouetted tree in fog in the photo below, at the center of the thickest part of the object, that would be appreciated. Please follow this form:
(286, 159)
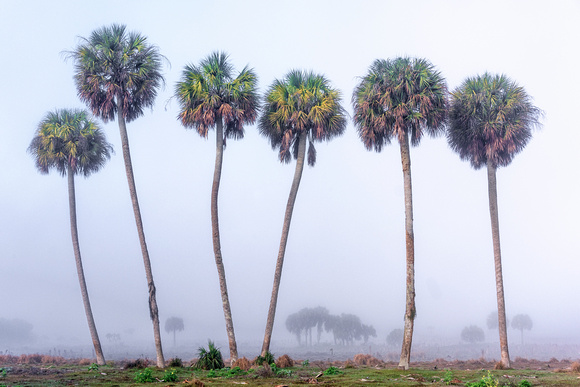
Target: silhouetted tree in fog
(521, 322)
(174, 324)
(472, 334)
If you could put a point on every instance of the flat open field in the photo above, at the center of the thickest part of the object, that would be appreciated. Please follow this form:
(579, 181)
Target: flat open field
(38, 370)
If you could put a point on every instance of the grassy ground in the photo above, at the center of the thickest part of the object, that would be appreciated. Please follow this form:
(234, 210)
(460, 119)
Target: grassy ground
(116, 375)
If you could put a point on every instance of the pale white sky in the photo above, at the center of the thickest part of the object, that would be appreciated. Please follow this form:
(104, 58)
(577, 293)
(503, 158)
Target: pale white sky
(346, 245)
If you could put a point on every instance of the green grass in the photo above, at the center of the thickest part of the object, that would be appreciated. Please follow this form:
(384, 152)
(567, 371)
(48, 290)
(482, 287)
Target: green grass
(63, 375)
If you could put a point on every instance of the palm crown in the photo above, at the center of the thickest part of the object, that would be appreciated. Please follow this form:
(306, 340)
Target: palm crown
(117, 72)
(209, 93)
(301, 104)
(69, 138)
(399, 97)
(491, 119)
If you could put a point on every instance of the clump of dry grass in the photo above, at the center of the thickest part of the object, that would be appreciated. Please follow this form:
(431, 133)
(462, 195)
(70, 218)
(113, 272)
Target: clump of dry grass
(284, 361)
(499, 366)
(575, 367)
(366, 360)
(243, 363)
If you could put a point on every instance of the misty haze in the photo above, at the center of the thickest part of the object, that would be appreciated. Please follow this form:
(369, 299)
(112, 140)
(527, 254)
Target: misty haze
(343, 285)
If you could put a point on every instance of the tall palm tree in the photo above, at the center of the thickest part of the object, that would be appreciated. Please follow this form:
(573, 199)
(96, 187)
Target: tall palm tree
(72, 143)
(117, 74)
(210, 96)
(301, 107)
(401, 98)
(491, 119)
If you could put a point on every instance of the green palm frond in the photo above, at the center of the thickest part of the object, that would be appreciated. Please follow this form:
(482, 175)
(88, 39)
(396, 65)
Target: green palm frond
(399, 97)
(301, 104)
(69, 138)
(209, 92)
(117, 71)
(491, 119)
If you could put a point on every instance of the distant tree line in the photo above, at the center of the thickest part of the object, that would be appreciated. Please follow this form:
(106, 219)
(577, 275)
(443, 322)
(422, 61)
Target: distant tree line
(345, 328)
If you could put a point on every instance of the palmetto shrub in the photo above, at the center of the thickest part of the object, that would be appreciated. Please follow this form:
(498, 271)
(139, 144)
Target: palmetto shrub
(210, 359)
(268, 358)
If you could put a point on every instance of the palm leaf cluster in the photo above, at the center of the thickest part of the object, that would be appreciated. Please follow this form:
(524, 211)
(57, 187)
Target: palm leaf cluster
(209, 93)
(399, 97)
(210, 358)
(69, 138)
(301, 104)
(117, 72)
(491, 118)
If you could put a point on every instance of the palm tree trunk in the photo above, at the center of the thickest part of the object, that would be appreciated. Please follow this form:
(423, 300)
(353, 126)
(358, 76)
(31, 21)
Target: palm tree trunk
(283, 241)
(80, 271)
(153, 310)
(493, 211)
(216, 240)
(410, 310)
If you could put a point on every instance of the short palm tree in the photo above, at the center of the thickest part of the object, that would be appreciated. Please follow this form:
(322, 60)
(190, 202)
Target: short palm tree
(117, 74)
(210, 96)
(299, 108)
(402, 98)
(72, 143)
(490, 121)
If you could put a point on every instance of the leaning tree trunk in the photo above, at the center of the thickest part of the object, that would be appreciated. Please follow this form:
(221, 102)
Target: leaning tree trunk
(410, 311)
(153, 310)
(216, 240)
(283, 241)
(493, 211)
(80, 271)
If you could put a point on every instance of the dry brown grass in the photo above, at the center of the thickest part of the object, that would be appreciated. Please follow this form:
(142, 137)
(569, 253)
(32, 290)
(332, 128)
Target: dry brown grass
(499, 366)
(366, 360)
(575, 367)
(243, 363)
(284, 361)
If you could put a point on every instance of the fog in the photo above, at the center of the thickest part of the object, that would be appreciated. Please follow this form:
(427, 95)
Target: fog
(346, 245)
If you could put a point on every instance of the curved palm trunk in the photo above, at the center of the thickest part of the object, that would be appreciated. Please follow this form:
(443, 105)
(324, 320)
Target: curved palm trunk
(216, 240)
(502, 324)
(80, 271)
(153, 310)
(410, 311)
(283, 241)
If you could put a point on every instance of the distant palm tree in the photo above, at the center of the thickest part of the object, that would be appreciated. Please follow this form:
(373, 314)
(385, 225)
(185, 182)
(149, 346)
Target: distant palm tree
(117, 73)
(302, 106)
(491, 119)
(210, 96)
(72, 143)
(401, 98)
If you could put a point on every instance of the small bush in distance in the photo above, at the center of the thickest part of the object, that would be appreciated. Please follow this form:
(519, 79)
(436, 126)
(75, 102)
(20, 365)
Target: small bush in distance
(575, 367)
(139, 363)
(448, 378)
(94, 367)
(332, 371)
(176, 362)
(210, 359)
(145, 376)
(170, 375)
(306, 363)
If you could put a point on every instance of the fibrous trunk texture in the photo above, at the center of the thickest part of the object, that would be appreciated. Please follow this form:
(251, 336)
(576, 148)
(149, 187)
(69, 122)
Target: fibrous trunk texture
(493, 212)
(410, 310)
(216, 241)
(80, 271)
(153, 310)
(283, 242)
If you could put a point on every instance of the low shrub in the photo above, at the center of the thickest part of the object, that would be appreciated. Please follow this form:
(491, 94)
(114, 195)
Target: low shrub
(268, 358)
(210, 359)
(176, 362)
(170, 375)
(145, 376)
(366, 360)
(575, 367)
(139, 363)
(242, 363)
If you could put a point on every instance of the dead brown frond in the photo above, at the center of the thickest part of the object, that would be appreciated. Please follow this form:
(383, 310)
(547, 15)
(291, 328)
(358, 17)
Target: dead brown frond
(499, 366)
(366, 360)
(284, 361)
(243, 363)
(575, 367)
(139, 363)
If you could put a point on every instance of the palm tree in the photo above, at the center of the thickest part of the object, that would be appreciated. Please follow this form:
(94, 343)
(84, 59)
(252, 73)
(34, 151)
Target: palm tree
(210, 96)
(72, 143)
(117, 73)
(302, 106)
(491, 119)
(402, 98)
